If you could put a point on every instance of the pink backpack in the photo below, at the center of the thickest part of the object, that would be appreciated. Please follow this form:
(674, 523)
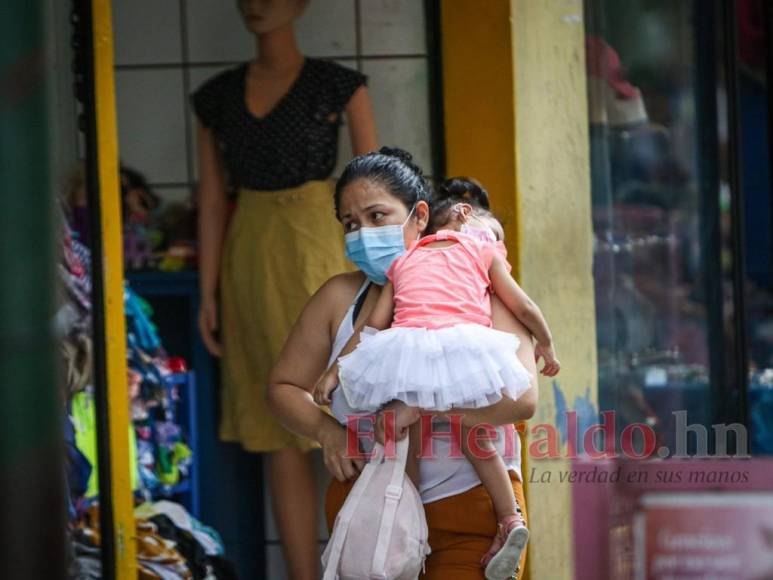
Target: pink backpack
(381, 531)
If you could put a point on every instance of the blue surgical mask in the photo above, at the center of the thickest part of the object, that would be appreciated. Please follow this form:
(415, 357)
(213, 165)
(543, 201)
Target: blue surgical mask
(373, 250)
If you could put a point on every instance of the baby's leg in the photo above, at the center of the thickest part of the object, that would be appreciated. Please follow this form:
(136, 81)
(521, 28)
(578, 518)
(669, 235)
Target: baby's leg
(492, 471)
(414, 447)
(501, 559)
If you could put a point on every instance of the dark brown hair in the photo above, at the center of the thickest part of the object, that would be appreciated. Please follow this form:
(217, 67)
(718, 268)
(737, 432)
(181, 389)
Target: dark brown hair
(392, 168)
(457, 190)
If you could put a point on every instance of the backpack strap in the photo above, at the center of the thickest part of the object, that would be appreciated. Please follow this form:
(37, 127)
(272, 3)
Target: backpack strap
(392, 496)
(344, 518)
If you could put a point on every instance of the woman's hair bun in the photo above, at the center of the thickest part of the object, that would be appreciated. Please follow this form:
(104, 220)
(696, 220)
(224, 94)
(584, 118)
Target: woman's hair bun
(400, 154)
(463, 189)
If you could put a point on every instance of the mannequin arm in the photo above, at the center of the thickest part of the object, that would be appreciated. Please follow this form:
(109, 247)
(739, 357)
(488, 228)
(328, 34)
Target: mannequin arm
(212, 224)
(362, 127)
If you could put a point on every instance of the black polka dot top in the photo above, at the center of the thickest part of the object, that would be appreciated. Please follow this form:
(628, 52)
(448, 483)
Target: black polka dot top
(295, 142)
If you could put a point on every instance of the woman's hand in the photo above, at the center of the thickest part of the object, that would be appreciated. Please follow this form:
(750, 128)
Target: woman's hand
(394, 419)
(340, 461)
(548, 354)
(326, 385)
(208, 324)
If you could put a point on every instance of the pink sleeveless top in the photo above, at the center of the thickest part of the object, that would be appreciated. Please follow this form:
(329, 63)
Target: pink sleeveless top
(441, 287)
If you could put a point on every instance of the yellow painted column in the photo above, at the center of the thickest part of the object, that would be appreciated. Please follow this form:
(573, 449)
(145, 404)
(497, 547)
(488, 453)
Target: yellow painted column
(516, 119)
(115, 331)
(478, 101)
(555, 242)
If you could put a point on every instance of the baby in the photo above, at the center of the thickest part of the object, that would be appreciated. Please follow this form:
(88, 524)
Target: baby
(429, 345)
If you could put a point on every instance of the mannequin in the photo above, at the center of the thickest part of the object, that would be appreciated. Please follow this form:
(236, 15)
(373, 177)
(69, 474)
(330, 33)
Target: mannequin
(268, 129)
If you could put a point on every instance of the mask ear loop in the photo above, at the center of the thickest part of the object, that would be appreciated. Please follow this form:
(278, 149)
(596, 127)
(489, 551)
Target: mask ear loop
(410, 213)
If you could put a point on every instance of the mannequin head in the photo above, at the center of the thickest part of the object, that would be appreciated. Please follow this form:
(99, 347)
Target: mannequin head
(264, 16)
(612, 99)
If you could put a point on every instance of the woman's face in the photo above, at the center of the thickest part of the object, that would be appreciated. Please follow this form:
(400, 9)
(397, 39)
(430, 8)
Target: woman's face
(262, 16)
(365, 203)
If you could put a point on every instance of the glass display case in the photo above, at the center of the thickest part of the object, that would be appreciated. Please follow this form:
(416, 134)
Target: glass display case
(679, 162)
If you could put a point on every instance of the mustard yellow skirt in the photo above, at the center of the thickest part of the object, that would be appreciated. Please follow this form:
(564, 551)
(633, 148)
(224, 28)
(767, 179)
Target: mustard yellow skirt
(281, 246)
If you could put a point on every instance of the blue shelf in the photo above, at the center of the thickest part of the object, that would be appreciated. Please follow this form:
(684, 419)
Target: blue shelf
(225, 488)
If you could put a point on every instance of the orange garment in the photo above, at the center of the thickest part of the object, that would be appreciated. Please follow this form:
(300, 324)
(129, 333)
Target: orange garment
(461, 528)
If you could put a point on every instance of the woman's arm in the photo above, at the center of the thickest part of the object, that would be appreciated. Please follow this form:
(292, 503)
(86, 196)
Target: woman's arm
(380, 319)
(303, 359)
(362, 127)
(212, 221)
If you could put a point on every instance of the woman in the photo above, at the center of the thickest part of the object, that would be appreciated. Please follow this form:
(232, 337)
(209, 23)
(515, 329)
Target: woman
(386, 190)
(271, 126)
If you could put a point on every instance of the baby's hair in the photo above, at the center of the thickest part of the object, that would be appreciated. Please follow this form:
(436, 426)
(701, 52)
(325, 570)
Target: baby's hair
(456, 190)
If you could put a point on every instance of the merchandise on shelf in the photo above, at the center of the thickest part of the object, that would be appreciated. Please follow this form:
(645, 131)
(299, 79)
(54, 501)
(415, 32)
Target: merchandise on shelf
(169, 541)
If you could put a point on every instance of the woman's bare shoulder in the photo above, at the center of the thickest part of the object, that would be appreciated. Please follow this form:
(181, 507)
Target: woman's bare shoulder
(336, 295)
(346, 283)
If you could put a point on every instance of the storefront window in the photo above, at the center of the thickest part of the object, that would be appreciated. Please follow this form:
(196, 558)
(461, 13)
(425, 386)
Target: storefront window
(758, 217)
(667, 249)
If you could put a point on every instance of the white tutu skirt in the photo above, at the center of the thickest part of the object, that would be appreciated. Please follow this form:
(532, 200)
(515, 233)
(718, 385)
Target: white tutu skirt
(463, 366)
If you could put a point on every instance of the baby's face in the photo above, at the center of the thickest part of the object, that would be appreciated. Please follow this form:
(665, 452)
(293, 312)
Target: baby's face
(493, 224)
(466, 215)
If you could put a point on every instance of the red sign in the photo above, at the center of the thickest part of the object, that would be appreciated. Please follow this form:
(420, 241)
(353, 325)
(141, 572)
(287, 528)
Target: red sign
(704, 535)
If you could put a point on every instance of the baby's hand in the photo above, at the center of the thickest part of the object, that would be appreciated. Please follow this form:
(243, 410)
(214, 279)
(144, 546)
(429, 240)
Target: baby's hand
(548, 354)
(404, 417)
(326, 385)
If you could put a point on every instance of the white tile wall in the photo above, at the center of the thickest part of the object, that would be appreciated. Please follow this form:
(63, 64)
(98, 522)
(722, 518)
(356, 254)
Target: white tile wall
(328, 28)
(344, 142)
(172, 194)
(149, 32)
(216, 32)
(151, 123)
(398, 89)
(393, 27)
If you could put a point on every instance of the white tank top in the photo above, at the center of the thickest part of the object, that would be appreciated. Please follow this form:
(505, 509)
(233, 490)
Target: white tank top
(440, 476)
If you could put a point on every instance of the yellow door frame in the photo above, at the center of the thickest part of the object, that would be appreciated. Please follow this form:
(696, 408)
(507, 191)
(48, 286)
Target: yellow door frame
(120, 491)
